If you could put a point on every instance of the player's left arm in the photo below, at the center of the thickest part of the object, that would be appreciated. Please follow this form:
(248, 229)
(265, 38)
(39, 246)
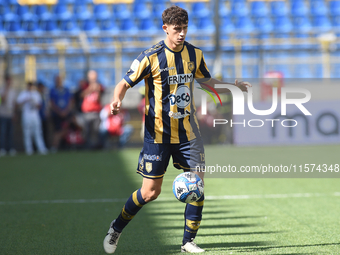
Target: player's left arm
(208, 83)
(204, 78)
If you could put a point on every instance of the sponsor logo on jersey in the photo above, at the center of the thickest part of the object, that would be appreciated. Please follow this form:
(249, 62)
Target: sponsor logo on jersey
(182, 97)
(166, 69)
(178, 115)
(180, 78)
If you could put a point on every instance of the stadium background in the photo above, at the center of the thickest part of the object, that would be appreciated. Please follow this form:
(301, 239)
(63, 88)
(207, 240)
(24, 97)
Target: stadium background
(62, 203)
(286, 40)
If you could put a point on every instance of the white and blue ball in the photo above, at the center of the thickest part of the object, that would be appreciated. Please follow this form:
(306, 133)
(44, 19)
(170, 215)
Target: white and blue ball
(188, 187)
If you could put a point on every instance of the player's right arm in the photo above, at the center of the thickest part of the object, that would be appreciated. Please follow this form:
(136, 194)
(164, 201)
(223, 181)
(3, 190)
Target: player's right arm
(118, 96)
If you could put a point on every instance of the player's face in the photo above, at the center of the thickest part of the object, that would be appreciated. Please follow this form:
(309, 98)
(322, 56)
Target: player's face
(176, 33)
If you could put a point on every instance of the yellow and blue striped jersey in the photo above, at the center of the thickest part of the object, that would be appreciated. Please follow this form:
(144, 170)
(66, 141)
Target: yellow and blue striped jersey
(169, 78)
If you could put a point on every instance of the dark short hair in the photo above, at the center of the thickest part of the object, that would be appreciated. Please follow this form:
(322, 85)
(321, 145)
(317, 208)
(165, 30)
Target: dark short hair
(175, 15)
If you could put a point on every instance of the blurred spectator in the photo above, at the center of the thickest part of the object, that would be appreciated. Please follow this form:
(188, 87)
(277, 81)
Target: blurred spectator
(43, 112)
(91, 107)
(7, 107)
(113, 125)
(61, 106)
(74, 136)
(78, 100)
(30, 101)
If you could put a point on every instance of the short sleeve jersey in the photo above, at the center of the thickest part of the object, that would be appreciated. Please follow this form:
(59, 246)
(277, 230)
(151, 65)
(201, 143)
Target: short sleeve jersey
(169, 78)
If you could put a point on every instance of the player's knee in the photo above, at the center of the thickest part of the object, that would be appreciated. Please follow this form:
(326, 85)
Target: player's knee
(151, 195)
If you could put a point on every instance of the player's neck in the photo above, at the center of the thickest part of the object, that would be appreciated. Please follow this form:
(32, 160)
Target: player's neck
(172, 45)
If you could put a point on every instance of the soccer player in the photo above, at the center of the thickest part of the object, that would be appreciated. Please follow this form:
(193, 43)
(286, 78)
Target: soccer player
(171, 128)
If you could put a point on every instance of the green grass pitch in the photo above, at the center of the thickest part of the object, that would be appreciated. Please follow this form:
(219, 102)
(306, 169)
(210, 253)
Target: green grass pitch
(63, 204)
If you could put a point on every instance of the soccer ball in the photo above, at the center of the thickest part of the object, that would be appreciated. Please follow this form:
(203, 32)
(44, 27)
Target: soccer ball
(187, 187)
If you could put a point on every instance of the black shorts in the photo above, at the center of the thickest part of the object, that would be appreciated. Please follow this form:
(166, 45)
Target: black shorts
(59, 122)
(154, 158)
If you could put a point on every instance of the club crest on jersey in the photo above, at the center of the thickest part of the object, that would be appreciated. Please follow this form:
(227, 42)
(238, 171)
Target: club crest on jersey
(182, 97)
(191, 65)
(180, 78)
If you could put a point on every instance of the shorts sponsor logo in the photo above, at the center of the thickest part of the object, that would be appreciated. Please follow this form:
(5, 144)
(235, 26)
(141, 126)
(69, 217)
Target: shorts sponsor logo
(180, 78)
(148, 166)
(152, 157)
(182, 97)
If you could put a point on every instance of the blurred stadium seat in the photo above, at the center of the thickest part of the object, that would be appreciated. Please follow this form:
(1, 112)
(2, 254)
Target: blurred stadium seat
(334, 7)
(81, 12)
(279, 8)
(239, 9)
(259, 9)
(101, 11)
(322, 23)
(318, 8)
(141, 10)
(299, 8)
(61, 11)
(121, 11)
(200, 9)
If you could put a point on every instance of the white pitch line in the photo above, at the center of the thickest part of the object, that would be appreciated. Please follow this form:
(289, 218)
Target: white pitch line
(121, 200)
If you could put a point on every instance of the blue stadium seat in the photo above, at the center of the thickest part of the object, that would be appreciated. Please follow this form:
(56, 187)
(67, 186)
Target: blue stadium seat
(264, 24)
(101, 11)
(49, 25)
(299, 8)
(239, 9)
(148, 26)
(200, 9)
(158, 8)
(244, 25)
(141, 10)
(336, 23)
(279, 8)
(121, 11)
(224, 10)
(69, 25)
(207, 24)
(128, 25)
(89, 25)
(23, 12)
(13, 26)
(322, 23)
(41, 11)
(282, 24)
(81, 12)
(227, 25)
(61, 11)
(318, 7)
(259, 9)
(108, 25)
(334, 7)
(8, 15)
(302, 24)
(66, 1)
(32, 26)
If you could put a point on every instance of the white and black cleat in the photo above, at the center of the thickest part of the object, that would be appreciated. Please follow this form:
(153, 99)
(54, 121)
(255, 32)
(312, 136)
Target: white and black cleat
(191, 247)
(111, 240)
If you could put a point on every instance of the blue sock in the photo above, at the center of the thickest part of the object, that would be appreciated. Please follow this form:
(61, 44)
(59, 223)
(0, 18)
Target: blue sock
(130, 209)
(193, 217)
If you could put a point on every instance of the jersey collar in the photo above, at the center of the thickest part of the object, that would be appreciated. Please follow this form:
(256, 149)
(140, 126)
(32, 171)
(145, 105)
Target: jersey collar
(174, 51)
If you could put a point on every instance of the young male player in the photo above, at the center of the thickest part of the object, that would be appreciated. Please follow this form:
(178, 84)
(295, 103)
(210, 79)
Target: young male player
(171, 128)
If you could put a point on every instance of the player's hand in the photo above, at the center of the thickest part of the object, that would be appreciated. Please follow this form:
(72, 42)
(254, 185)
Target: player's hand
(115, 107)
(243, 85)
